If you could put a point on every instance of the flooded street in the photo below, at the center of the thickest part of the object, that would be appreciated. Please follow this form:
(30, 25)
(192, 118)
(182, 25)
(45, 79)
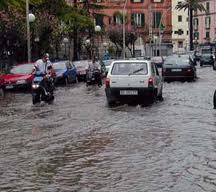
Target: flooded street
(78, 144)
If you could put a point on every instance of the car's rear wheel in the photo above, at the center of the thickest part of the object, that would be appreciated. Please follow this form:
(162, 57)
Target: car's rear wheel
(110, 102)
(160, 96)
(67, 82)
(214, 66)
(214, 100)
(153, 98)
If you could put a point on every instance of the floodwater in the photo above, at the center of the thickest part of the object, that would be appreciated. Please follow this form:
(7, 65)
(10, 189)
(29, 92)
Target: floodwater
(78, 144)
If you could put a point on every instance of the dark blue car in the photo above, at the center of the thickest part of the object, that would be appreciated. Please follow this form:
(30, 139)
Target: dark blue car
(66, 72)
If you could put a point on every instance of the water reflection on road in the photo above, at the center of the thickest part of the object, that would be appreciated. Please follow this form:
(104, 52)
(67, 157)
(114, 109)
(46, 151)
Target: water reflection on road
(79, 144)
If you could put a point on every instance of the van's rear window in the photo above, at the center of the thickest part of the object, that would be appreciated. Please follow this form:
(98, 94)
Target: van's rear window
(132, 68)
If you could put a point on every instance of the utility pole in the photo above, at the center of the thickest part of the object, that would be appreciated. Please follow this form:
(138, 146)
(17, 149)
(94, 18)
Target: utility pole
(123, 28)
(28, 31)
(150, 31)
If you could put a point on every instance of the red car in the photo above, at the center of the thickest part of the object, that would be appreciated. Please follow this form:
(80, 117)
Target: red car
(19, 77)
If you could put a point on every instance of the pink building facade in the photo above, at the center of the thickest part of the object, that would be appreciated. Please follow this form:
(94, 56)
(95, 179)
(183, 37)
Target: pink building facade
(205, 23)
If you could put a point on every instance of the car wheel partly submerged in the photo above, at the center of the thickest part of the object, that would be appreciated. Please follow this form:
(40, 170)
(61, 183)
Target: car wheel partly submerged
(214, 100)
(160, 97)
(214, 66)
(111, 103)
(67, 81)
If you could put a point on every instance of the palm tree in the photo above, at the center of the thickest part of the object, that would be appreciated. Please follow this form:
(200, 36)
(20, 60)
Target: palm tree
(190, 6)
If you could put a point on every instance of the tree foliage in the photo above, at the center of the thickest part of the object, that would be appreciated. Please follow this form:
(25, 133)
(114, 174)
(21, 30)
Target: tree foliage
(54, 19)
(116, 37)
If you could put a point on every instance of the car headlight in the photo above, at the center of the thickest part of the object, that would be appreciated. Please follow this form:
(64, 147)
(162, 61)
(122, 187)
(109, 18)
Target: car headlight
(23, 81)
(35, 86)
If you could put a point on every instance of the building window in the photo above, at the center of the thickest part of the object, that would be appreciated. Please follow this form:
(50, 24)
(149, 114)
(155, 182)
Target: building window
(117, 18)
(180, 44)
(187, 32)
(207, 22)
(187, 19)
(179, 18)
(99, 20)
(137, 1)
(207, 34)
(196, 23)
(156, 19)
(138, 19)
(207, 7)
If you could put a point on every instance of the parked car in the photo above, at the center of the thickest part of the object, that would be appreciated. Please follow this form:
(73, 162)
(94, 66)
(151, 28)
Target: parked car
(178, 67)
(207, 59)
(133, 81)
(158, 61)
(19, 77)
(106, 65)
(81, 67)
(65, 72)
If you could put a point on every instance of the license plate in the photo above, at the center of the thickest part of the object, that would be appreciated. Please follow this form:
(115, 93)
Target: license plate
(176, 70)
(128, 92)
(9, 86)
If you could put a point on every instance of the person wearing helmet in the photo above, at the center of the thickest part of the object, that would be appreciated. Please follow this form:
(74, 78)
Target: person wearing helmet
(94, 67)
(44, 66)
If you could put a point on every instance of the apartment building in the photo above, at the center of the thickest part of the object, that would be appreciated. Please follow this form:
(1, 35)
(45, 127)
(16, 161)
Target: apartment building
(143, 17)
(180, 28)
(205, 23)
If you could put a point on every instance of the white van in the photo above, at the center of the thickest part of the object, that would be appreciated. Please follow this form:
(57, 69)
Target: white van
(133, 81)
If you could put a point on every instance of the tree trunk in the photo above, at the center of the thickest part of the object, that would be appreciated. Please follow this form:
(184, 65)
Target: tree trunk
(190, 12)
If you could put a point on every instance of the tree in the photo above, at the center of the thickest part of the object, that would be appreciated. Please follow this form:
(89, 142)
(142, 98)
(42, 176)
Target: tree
(12, 32)
(190, 6)
(116, 37)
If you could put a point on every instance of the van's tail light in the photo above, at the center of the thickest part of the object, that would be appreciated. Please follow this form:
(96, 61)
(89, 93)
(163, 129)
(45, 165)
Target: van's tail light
(107, 82)
(150, 82)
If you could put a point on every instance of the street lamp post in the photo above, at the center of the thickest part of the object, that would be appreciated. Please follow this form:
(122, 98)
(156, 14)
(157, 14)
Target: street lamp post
(88, 47)
(29, 18)
(160, 27)
(97, 30)
(123, 28)
(36, 40)
(65, 41)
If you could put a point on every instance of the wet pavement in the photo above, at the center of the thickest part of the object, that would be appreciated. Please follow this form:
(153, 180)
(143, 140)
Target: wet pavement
(78, 144)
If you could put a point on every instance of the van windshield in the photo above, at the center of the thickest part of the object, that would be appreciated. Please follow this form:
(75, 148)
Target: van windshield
(133, 68)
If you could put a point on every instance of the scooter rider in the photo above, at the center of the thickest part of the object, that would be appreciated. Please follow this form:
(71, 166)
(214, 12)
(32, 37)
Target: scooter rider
(92, 67)
(44, 66)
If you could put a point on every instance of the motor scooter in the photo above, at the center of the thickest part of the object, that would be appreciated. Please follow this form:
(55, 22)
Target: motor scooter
(93, 77)
(42, 88)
